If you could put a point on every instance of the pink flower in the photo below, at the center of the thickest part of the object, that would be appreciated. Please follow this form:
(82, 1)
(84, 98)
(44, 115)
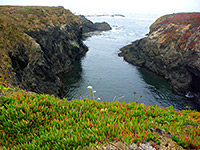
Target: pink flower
(115, 126)
(122, 132)
(116, 139)
(107, 134)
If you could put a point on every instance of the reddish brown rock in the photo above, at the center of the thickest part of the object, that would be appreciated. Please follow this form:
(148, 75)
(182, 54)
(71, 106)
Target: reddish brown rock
(172, 50)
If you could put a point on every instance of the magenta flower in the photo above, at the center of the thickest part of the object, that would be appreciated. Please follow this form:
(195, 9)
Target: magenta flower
(115, 126)
(116, 139)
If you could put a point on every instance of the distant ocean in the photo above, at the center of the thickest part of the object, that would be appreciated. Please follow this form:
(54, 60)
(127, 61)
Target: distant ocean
(111, 76)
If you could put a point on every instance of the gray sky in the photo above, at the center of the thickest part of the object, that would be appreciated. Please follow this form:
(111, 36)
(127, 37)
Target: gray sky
(147, 6)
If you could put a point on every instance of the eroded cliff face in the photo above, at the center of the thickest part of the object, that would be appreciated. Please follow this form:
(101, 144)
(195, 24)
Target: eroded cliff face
(172, 50)
(38, 44)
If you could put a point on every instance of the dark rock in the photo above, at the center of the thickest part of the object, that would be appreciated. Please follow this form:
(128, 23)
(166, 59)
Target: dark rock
(161, 132)
(102, 26)
(170, 50)
(41, 44)
(54, 52)
(151, 129)
(89, 26)
(118, 15)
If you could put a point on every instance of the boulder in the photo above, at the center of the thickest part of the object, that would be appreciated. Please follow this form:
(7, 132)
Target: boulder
(102, 26)
(89, 26)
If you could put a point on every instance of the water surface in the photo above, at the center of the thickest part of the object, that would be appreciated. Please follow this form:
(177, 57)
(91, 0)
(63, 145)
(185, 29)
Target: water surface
(111, 76)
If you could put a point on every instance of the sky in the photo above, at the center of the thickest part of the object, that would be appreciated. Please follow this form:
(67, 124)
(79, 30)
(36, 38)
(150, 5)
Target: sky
(115, 6)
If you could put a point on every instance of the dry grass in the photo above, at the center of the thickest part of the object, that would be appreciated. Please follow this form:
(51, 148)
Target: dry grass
(16, 20)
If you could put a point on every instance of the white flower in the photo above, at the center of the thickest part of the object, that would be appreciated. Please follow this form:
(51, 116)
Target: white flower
(89, 87)
(104, 109)
(98, 99)
(94, 91)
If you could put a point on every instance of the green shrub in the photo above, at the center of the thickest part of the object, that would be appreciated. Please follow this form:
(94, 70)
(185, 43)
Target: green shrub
(23, 27)
(11, 16)
(31, 19)
(32, 121)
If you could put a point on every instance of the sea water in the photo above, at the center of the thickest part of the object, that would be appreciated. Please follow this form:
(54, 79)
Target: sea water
(113, 78)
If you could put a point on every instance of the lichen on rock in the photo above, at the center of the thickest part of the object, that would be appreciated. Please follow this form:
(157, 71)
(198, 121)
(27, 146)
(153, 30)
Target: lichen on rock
(38, 44)
(172, 50)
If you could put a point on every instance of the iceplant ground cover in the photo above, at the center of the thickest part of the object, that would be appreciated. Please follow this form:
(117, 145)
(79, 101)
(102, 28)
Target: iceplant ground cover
(33, 121)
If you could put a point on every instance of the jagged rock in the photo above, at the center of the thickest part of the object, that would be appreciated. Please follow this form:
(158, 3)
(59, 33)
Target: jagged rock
(172, 50)
(122, 146)
(44, 49)
(102, 26)
(89, 26)
(161, 132)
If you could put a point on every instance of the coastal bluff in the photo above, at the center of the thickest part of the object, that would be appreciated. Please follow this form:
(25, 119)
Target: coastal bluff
(37, 44)
(172, 50)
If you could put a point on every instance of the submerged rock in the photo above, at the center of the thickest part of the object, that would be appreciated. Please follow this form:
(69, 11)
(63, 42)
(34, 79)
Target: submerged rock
(172, 50)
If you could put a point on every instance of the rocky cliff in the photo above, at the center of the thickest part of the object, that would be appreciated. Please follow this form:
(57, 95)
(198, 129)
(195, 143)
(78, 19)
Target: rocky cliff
(89, 26)
(172, 50)
(37, 44)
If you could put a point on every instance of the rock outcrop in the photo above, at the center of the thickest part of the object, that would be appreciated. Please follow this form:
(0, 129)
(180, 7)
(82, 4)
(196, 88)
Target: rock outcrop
(89, 26)
(172, 50)
(37, 44)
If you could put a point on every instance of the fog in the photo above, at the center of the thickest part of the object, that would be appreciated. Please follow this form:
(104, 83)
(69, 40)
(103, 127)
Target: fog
(139, 6)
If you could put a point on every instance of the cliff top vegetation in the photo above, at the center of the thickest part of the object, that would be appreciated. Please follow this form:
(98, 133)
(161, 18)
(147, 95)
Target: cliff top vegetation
(15, 21)
(35, 17)
(183, 29)
(33, 121)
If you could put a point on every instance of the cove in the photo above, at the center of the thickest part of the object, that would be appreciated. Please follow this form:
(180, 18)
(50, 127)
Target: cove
(111, 76)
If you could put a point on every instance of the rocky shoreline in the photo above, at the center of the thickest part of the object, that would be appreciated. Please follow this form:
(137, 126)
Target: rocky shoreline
(39, 44)
(171, 50)
(89, 26)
